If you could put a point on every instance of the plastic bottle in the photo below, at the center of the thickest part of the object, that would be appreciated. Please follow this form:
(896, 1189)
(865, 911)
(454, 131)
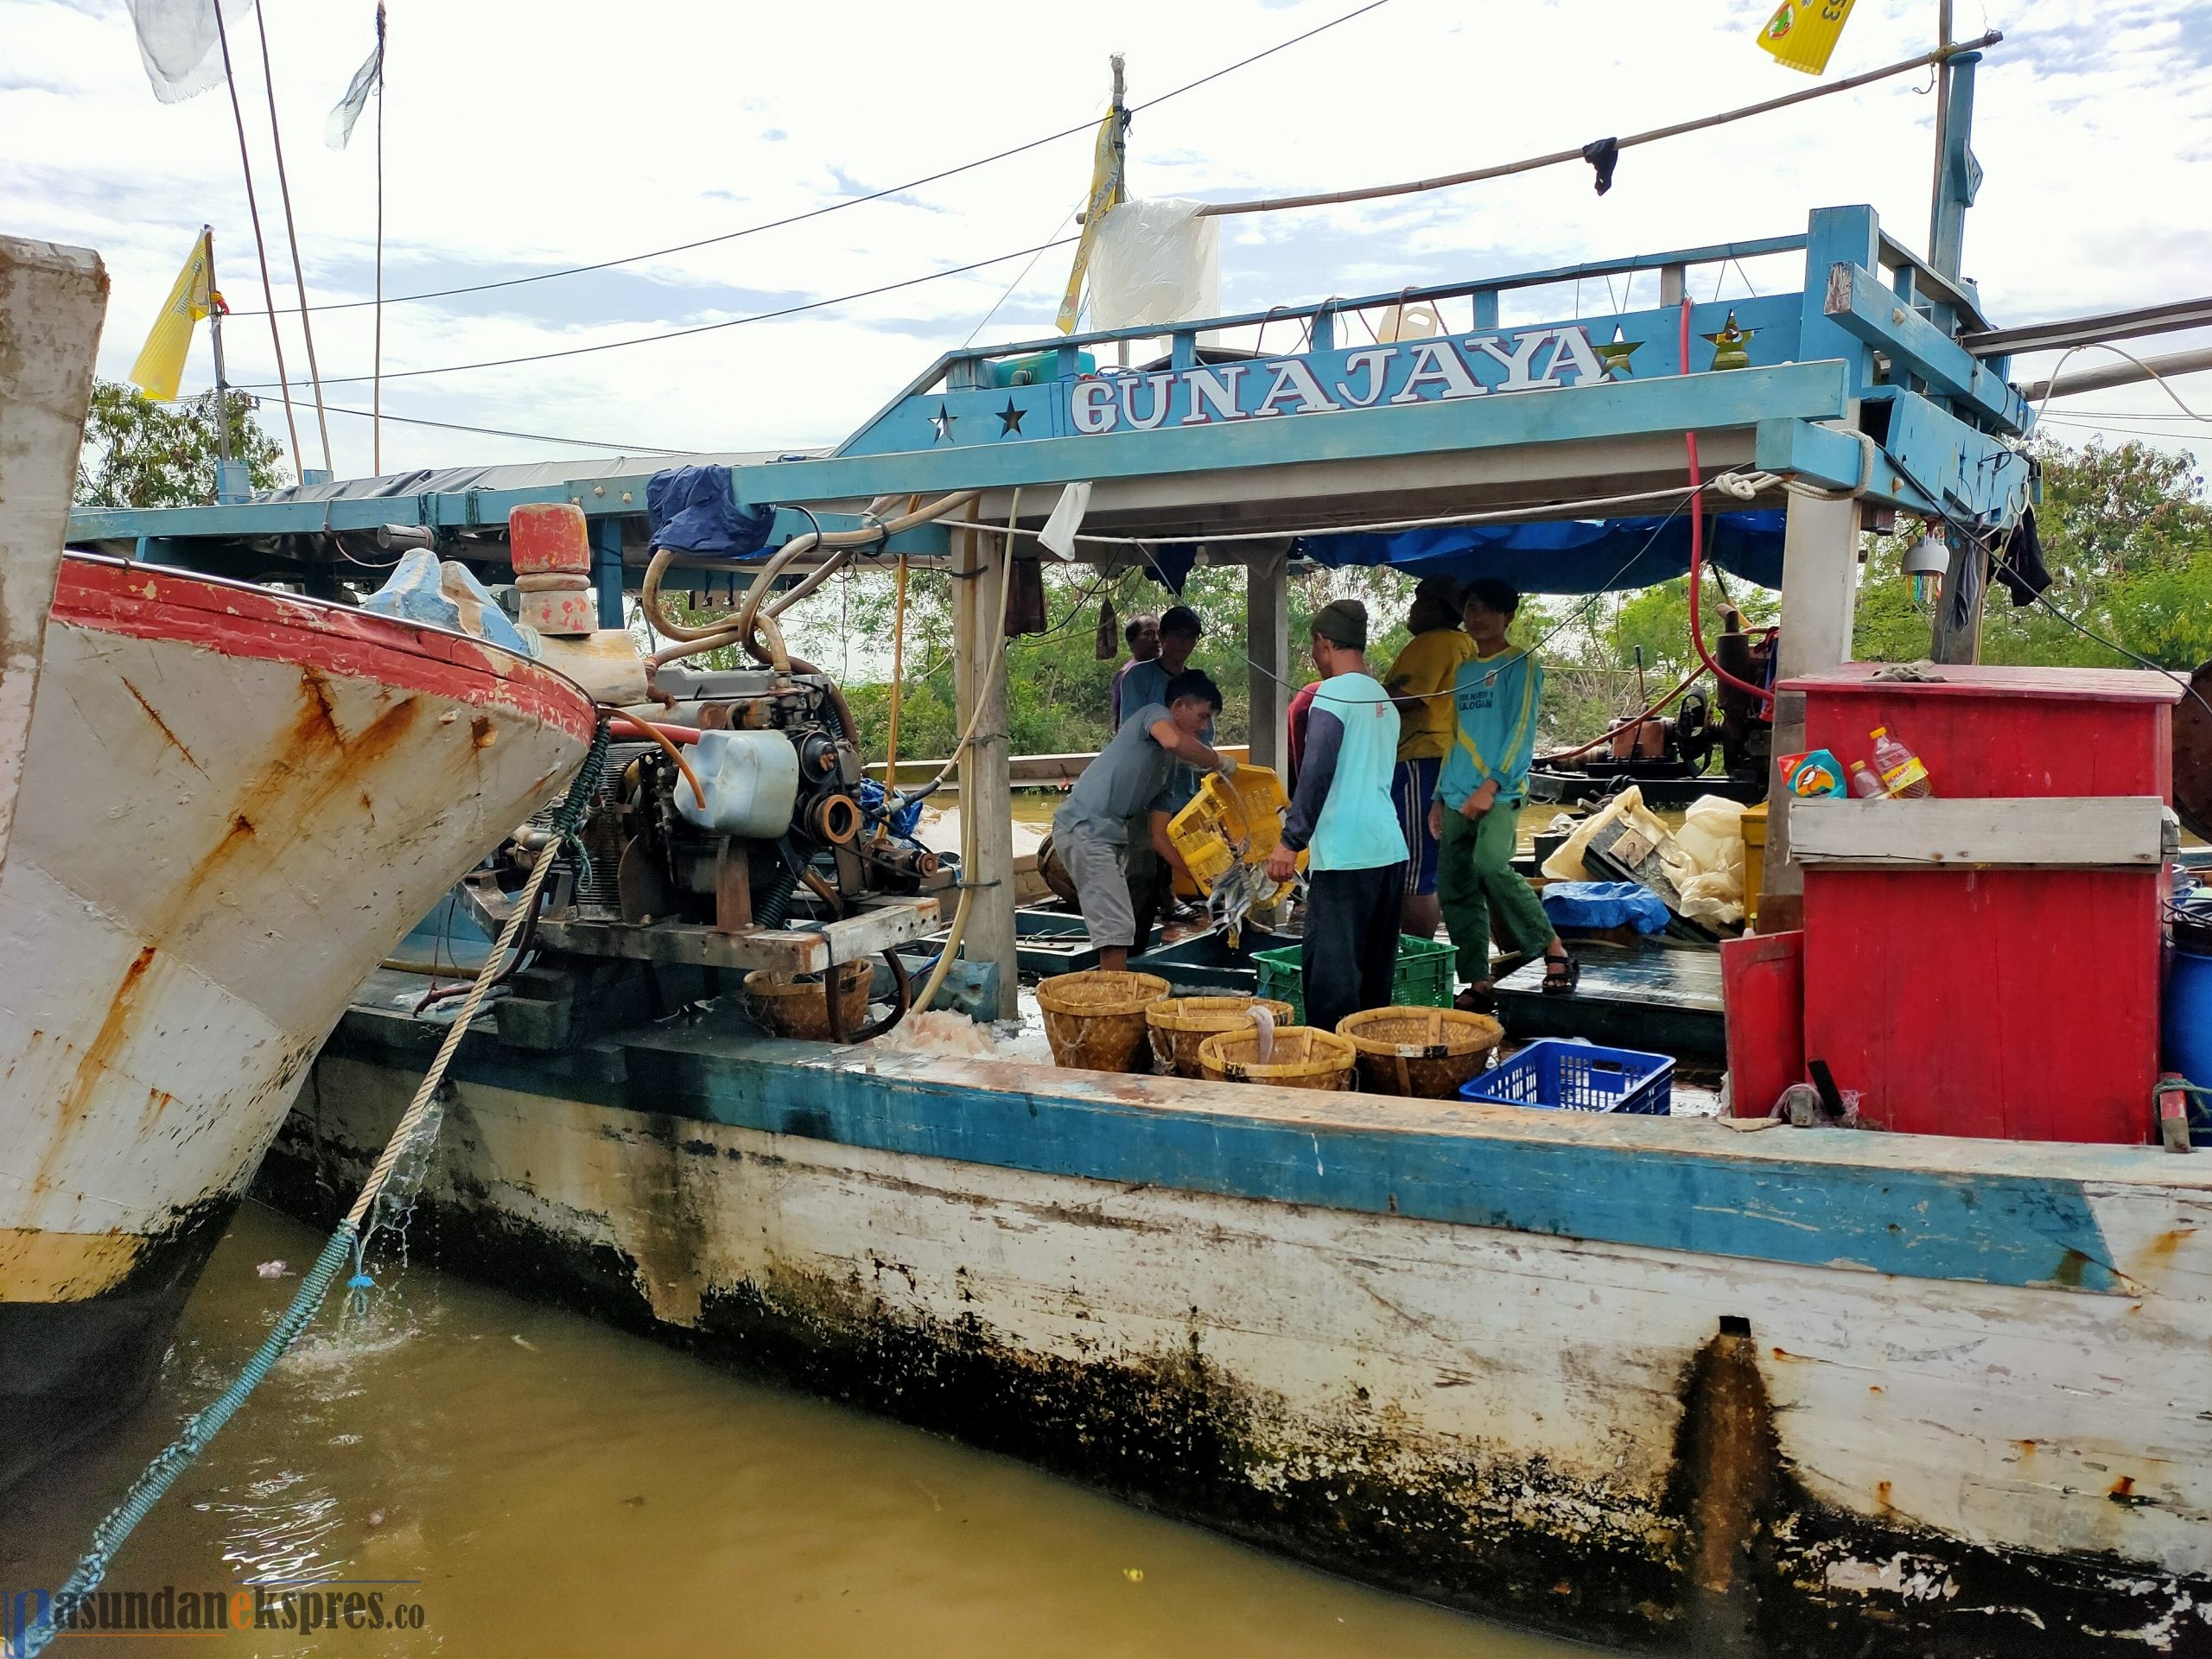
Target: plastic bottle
(1864, 783)
(1902, 775)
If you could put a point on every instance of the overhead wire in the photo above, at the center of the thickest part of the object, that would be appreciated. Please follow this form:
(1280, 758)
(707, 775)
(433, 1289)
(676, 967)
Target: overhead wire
(678, 334)
(1088, 125)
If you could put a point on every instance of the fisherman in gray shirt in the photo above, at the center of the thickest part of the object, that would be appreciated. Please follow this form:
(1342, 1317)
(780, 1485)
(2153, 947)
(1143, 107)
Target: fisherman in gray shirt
(1130, 778)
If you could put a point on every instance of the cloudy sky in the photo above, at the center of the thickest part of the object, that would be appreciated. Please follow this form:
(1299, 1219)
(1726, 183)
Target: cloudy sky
(533, 134)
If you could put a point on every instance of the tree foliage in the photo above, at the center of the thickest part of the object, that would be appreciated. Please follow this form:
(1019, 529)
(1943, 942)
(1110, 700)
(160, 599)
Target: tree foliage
(2127, 539)
(140, 454)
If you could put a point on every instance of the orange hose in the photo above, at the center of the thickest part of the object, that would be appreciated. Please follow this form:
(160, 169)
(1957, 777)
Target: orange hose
(661, 737)
(1697, 548)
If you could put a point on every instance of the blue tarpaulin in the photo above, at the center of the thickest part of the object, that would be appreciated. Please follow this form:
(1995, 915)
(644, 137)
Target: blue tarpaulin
(1605, 904)
(693, 510)
(1570, 556)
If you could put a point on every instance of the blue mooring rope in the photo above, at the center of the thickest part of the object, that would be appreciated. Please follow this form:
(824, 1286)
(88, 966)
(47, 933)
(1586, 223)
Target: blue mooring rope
(340, 1250)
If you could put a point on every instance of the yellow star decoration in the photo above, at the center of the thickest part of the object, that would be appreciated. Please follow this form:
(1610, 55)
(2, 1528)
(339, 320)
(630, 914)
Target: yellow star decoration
(1616, 352)
(1728, 344)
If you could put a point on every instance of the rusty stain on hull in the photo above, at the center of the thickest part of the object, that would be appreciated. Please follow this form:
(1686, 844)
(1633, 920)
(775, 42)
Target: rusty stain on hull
(160, 725)
(94, 1064)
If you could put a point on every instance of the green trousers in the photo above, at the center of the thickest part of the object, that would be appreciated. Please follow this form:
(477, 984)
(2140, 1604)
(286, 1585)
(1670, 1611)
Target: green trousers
(1474, 872)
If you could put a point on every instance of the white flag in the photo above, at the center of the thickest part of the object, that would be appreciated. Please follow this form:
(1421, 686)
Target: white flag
(338, 130)
(179, 44)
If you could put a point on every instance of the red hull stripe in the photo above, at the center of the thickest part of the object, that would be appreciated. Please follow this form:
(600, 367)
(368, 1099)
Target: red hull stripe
(237, 620)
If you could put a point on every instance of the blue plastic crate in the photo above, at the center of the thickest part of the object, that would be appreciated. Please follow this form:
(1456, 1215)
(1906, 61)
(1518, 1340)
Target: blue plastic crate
(1579, 1078)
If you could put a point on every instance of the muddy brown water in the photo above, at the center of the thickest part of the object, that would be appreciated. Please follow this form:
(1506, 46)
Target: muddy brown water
(535, 1483)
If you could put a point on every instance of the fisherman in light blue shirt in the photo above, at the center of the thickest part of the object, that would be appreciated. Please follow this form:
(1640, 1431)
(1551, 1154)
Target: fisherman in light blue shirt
(1343, 815)
(1478, 795)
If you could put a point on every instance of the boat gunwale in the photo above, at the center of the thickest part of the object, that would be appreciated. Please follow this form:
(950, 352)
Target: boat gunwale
(509, 678)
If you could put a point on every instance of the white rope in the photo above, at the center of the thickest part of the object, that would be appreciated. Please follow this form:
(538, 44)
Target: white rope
(402, 1137)
(1743, 486)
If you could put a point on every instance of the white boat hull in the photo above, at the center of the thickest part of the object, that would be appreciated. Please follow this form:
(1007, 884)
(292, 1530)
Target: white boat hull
(1878, 1395)
(234, 803)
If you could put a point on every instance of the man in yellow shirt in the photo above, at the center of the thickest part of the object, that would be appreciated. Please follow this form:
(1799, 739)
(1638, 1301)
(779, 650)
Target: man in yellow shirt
(1420, 685)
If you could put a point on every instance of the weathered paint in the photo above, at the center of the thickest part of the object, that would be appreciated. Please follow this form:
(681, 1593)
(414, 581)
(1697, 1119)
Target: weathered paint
(1676, 1446)
(234, 802)
(52, 300)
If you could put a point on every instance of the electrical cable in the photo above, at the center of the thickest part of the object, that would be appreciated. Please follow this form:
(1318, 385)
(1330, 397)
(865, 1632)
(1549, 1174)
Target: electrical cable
(1090, 125)
(2051, 380)
(671, 333)
(507, 432)
(2043, 598)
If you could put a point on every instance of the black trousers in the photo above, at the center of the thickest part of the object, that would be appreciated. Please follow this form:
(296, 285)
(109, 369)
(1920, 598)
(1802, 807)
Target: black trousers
(1351, 950)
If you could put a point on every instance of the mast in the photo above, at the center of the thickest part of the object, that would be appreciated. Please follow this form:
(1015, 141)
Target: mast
(1942, 121)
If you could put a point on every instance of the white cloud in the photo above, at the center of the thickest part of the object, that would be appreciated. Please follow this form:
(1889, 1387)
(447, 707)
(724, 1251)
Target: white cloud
(553, 136)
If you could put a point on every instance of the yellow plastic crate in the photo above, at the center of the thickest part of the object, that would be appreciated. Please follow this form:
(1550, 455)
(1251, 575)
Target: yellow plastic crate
(1232, 821)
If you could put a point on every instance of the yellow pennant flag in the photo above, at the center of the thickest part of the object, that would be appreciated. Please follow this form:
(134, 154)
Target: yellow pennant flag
(1105, 192)
(1802, 33)
(160, 366)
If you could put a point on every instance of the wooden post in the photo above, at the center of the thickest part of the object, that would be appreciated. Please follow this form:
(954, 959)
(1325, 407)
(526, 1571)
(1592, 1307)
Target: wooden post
(1958, 639)
(1820, 588)
(1267, 636)
(986, 803)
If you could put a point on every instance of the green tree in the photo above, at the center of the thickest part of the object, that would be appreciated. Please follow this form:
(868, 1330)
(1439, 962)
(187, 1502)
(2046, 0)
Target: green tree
(2127, 537)
(140, 454)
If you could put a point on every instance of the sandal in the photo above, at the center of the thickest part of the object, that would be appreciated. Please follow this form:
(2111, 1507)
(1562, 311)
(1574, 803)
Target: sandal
(1477, 998)
(1561, 974)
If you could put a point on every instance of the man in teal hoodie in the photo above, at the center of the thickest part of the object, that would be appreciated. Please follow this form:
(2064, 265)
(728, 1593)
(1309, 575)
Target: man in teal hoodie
(1342, 812)
(1478, 795)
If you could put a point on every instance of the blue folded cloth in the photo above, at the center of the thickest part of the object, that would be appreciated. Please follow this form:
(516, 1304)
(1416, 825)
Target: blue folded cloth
(1605, 904)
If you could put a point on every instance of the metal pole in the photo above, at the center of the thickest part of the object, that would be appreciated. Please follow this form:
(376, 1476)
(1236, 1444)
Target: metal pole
(1943, 123)
(215, 341)
(376, 382)
(292, 235)
(260, 249)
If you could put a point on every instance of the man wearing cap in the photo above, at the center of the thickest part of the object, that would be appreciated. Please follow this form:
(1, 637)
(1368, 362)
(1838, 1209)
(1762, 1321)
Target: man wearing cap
(1419, 682)
(1342, 816)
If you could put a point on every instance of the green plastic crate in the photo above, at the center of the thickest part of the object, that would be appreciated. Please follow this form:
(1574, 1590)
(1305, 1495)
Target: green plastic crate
(1423, 978)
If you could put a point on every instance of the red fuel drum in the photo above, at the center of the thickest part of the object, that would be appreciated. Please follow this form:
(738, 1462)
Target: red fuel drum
(2008, 1003)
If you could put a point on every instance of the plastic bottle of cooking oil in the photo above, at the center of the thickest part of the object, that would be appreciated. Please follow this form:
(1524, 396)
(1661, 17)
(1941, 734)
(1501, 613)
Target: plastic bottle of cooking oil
(1903, 776)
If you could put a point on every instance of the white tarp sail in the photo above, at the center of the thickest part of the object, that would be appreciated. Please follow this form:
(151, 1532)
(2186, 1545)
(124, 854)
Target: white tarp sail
(338, 128)
(1155, 262)
(178, 42)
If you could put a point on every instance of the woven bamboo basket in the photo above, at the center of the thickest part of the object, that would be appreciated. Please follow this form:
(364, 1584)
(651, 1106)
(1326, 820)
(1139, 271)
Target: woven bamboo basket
(792, 1006)
(1302, 1058)
(1179, 1024)
(1096, 1022)
(1428, 1052)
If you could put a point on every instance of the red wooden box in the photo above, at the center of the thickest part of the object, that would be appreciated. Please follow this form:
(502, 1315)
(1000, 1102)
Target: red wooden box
(1763, 988)
(2018, 1004)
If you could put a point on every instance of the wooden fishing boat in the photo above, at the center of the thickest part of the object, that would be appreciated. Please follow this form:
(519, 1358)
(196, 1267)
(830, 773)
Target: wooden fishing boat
(230, 803)
(1648, 1380)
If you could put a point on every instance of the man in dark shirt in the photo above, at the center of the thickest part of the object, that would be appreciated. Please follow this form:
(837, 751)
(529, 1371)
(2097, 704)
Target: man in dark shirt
(1143, 635)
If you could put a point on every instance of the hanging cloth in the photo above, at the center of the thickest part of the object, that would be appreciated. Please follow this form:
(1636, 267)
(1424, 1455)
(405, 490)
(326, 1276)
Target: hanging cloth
(1604, 155)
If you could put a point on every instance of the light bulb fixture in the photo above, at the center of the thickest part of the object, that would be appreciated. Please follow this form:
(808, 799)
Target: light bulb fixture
(1928, 556)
